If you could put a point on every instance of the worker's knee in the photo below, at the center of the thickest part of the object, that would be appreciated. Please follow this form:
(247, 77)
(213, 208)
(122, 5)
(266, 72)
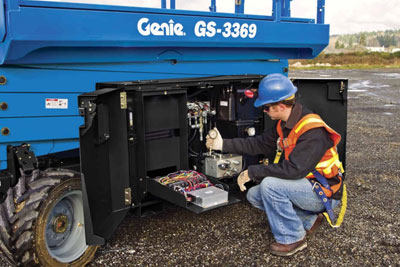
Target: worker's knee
(252, 194)
(270, 186)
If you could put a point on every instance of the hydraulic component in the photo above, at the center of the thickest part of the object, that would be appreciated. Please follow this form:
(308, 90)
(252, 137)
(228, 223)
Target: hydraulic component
(197, 115)
(223, 165)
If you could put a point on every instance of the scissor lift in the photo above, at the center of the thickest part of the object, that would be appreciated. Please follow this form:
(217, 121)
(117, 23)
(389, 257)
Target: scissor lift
(94, 107)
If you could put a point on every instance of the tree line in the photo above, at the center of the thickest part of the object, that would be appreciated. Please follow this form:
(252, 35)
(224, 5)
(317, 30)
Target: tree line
(388, 38)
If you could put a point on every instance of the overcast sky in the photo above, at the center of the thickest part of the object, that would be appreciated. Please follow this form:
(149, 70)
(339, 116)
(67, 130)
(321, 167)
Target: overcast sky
(344, 16)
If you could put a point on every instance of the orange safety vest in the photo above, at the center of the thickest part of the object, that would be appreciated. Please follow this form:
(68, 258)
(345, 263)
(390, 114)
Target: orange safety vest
(329, 166)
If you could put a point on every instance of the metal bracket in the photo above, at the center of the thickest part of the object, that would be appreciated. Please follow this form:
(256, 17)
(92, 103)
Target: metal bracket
(342, 87)
(124, 104)
(26, 159)
(18, 158)
(87, 109)
(128, 196)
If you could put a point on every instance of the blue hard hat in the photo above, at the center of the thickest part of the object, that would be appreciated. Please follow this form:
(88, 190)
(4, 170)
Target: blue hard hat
(274, 88)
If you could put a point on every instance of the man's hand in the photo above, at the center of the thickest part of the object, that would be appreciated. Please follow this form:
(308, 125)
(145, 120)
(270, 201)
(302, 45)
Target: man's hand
(214, 140)
(242, 179)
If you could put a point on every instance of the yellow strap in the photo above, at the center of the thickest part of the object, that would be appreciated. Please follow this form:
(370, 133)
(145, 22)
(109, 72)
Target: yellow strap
(342, 210)
(277, 156)
(305, 122)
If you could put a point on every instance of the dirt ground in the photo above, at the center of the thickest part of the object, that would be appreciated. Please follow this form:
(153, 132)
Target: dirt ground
(239, 235)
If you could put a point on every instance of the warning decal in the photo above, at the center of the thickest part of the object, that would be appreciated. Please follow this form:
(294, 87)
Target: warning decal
(57, 103)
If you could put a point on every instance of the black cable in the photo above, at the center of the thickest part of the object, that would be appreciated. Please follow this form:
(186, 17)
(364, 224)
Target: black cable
(194, 135)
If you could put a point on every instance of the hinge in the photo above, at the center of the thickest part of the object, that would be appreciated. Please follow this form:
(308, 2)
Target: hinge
(128, 196)
(342, 87)
(124, 104)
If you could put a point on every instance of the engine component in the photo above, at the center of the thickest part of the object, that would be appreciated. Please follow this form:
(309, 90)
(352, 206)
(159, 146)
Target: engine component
(223, 165)
(209, 197)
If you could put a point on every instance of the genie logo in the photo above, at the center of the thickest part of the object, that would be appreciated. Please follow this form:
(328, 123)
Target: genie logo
(146, 28)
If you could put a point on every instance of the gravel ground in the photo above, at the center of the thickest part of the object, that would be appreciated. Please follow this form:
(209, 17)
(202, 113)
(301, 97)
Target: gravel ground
(239, 235)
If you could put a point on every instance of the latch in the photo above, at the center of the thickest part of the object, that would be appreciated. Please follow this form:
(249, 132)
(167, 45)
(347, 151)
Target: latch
(128, 196)
(124, 104)
(342, 87)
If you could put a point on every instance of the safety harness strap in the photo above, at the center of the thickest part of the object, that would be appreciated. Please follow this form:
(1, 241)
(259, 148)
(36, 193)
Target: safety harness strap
(321, 180)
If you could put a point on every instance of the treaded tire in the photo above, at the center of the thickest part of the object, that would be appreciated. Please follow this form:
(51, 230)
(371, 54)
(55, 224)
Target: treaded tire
(25, 214)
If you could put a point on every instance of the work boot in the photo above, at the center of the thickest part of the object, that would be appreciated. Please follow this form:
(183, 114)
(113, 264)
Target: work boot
(316, 224)
(288, 249)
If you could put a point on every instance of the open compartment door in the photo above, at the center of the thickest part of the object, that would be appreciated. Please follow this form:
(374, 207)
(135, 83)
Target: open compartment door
(104, 162)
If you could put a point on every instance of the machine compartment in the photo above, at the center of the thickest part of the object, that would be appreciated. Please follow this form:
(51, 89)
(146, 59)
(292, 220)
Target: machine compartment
(137, 132)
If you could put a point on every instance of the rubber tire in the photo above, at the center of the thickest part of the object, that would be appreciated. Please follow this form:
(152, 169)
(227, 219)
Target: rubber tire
(22, 229)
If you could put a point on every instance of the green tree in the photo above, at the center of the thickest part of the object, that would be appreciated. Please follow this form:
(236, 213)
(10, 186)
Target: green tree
(363, 39)
(337, 44)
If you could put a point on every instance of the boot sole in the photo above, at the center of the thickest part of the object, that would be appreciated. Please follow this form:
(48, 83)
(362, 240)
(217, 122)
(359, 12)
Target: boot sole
(290, 253)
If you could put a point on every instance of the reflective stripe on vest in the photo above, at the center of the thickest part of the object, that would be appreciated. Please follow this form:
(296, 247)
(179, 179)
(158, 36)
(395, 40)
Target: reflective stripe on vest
(329, 165)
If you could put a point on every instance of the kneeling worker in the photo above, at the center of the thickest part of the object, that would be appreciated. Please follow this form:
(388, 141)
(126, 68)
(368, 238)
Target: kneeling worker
(286, 189)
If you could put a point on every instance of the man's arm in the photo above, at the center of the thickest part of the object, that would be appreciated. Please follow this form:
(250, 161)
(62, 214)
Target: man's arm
(310, 148)
(264, 144)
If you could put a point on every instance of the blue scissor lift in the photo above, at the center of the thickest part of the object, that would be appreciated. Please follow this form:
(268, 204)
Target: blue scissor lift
(146, 62)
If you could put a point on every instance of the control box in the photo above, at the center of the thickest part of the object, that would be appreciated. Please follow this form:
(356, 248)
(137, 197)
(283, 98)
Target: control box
(209, 197)
(223, 165)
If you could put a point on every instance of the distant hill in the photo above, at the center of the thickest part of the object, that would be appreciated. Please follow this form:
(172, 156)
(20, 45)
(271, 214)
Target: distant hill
(388, 39)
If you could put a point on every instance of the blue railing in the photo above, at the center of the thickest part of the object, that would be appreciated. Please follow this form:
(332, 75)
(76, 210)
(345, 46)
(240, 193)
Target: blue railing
(281, 9)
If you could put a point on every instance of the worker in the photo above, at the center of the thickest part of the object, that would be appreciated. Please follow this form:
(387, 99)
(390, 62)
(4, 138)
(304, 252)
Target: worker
(286, 190)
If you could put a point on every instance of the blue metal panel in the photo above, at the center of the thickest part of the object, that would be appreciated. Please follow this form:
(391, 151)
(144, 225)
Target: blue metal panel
(80, 78)
(34, 104)
(2, 21)
(73, 28)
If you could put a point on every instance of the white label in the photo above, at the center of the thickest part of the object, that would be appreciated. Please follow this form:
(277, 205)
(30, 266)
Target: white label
(227, 30)
(201, 29)
(56, 103)
(223, 103)
(170, 28)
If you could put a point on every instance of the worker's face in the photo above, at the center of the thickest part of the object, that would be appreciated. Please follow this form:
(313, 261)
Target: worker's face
(274, 111)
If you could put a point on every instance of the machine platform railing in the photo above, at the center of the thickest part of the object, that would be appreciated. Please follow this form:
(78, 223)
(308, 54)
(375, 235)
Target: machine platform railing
(281, 9)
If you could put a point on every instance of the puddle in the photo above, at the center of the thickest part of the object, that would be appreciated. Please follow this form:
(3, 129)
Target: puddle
(390, 75)
(390, 105)
(357, 90)
(359, 86)
(388, 113)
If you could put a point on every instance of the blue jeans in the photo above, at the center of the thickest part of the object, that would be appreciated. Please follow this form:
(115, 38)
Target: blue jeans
(286, 203)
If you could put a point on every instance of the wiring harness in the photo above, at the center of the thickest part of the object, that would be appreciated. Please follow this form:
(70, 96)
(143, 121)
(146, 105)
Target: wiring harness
(185, 181)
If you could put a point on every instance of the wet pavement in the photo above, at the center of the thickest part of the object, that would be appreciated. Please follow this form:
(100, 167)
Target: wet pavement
(239, 235)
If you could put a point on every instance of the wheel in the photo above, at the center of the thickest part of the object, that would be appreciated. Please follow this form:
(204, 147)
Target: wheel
(42, 222)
